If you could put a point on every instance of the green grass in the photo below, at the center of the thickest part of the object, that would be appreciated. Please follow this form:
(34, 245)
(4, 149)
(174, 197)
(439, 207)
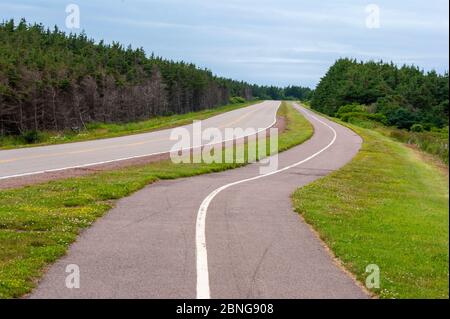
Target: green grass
(107, 130)
(434, 142)
(38, 223)
(386, 207)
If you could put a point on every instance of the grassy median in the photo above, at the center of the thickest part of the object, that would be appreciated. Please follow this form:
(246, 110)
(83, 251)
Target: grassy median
(95, 131)
(38, 223)
(386, 207)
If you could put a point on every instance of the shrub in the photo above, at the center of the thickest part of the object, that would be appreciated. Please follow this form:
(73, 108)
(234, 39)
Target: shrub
(351, 108)
(31, 137)
(402, 118)
(237, 99)
(417, 128)
(348, 117)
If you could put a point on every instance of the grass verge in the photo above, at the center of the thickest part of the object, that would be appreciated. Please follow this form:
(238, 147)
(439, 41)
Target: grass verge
(434, 142)
(38, 223)
(386, 207)
(107, 130)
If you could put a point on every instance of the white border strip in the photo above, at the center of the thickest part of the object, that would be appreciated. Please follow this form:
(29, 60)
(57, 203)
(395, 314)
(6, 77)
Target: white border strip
(137, 156)
(203, 290)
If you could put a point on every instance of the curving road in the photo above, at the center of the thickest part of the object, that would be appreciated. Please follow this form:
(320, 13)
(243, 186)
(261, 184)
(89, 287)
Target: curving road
(38, 160)
(255, 246)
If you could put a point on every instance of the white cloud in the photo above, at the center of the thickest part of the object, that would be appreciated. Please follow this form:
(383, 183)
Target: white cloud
(266, 41)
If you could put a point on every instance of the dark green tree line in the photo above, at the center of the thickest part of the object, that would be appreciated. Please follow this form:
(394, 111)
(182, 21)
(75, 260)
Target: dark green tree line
(405, 95)
(50, 80)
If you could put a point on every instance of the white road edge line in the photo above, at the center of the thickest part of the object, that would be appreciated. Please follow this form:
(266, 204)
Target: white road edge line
(134, 157)
(203, 290)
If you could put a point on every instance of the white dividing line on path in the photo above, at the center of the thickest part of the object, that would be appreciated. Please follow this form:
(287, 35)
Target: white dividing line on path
(134, 157)
(203, 290)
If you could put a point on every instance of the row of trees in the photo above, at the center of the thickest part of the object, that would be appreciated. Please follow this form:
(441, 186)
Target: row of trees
(50, 80)
(405, 96)
(287, 93)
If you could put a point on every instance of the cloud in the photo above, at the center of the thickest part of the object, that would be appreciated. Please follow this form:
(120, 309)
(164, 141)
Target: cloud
(264, 41)
(259, 60)
(18, 7)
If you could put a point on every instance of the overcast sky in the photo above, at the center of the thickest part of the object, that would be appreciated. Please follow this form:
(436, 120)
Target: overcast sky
(276, 42)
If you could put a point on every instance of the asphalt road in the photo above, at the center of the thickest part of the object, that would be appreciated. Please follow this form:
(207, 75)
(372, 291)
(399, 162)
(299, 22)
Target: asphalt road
(38, 160)
(151, 245)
